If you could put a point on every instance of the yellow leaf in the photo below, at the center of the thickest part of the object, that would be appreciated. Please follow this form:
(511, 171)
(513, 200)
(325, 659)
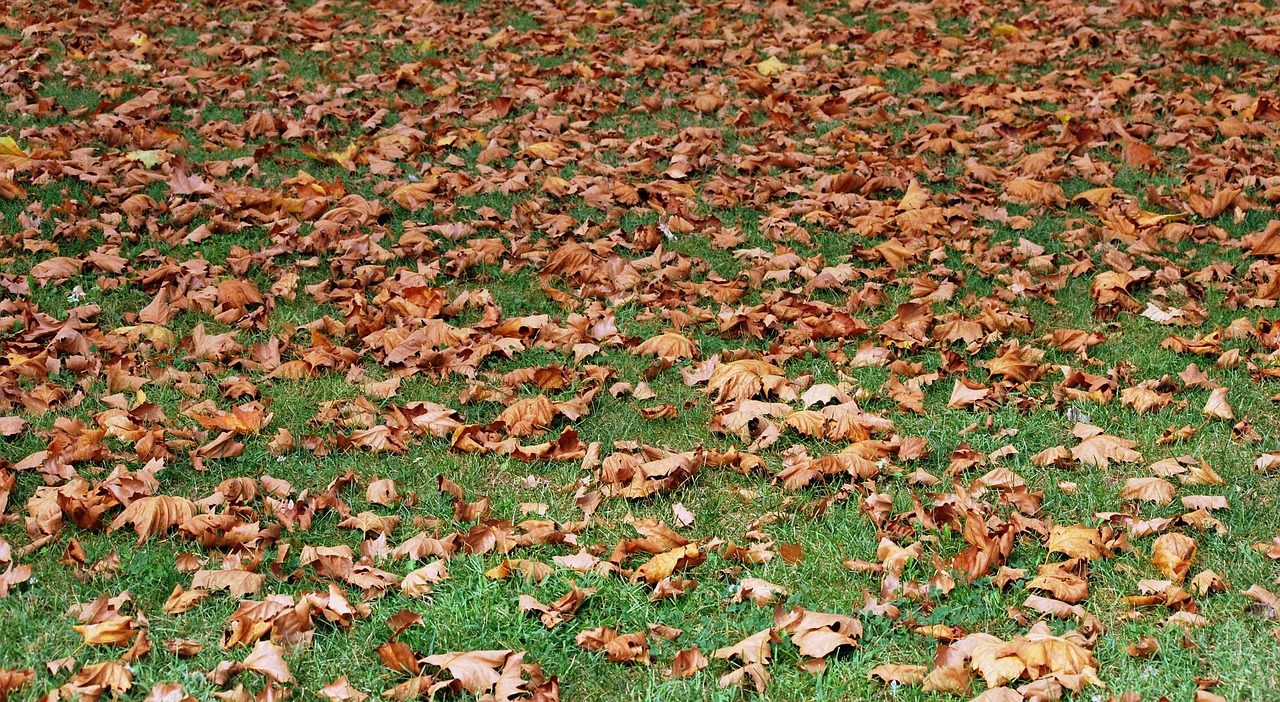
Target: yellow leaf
(160, 336)
(9, 147)
(150, 158)
(664, 564)
(771, 66)
(544, 149)
(1151, 219)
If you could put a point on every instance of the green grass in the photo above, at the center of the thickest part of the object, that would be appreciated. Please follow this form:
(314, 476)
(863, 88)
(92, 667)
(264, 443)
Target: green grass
(578, 78)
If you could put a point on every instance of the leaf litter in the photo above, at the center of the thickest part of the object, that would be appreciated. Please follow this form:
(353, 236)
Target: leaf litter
(789, 243)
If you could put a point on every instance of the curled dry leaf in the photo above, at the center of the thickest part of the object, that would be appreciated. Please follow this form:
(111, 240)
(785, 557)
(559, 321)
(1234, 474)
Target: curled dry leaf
(999, 694)
(267, 659)
(754, 673)
(664, 564)
(912, 675)
(168, 692)
(1101, 449)
(107, 675)
(1172, 555)
(683, 515)
(341, 691)
(1217, 406)
(818, 634)
(687, 663)
(753, 649)
(1146, 647)
(949, 672)
(12, 680)
(113, 631)
(184, 648)
(528, 416)
(238, 582)
(559, 611)
(418, 582)
(620, 648)
(759, 592)
(967, 393)
(477, 671)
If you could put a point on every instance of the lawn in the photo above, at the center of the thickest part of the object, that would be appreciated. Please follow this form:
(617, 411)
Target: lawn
(639, 350)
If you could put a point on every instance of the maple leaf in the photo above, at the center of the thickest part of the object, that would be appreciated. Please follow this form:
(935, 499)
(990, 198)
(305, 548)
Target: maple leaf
(368, 522)
(669, 347)
(54, 269)
(1146, 647)
(753, 649)
(808, 423)
(155, 514)
(13, 575)
(759, 592)
(1033, 192)
(966, 393)
(183, 648)
(239, 582)
(949, 673)
(382, 492)
(708, 102)
(1172, 554)
(559, 611)
(113, 631)
(1076, 541)
(664, 564)
(420, 686)
(1155, 490)
(755, 672)
(683, 515)
(267, 659)
(1217, 406)
(399, 656)
(341, 691)
(527, 416)
(418, 582)
(108, 675)
(546, 150)
(12, 156)
(12, 680)
(686, 664)
(817, 634)
(1099, 450)
(477, 671)
(533, 571)
(168, 692)
(628, 648)
(743, 380)
(770, 66)
(12, 426)
(1061, 581)
(1144, 399)
(415, 196)
(911, 675)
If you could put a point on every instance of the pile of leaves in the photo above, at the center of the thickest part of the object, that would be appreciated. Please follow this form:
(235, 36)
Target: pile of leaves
(422, 349)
